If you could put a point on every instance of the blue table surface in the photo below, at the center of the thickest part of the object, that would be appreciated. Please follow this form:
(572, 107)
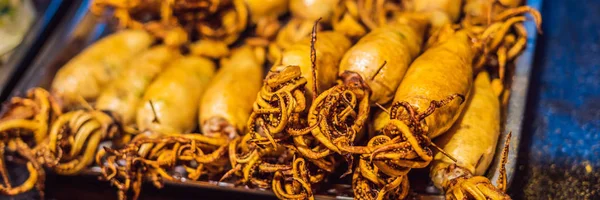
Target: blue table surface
(559, 156)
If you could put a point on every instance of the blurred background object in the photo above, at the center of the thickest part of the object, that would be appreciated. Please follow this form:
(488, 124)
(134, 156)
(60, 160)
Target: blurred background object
(24, 26)
(16, 17)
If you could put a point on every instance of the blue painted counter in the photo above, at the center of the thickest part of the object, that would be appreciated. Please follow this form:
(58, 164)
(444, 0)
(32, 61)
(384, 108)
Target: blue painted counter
(559, 155)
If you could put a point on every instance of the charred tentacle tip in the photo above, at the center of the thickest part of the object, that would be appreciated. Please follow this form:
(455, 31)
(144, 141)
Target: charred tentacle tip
(478, 187)
(445, 178)
(217, 127)
(355, 82)
(279, 75)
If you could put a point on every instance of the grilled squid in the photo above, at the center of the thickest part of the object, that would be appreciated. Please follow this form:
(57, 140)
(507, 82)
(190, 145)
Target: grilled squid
(88, 73)
(170, 104)
(122, 96)
(225, 108)
(472, 141)
(383, 56)
(426, 104)
(369, 73)
(330, 47)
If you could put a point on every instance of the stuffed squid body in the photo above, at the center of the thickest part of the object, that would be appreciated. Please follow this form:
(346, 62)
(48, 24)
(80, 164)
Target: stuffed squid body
(175, 95)
(122, 96)
(330, 47)
(228, 101)
(472, 139)
(88, 73)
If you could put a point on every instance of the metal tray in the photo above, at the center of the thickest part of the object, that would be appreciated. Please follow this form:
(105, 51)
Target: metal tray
(513, 116)
(83, 29)
(47, 14)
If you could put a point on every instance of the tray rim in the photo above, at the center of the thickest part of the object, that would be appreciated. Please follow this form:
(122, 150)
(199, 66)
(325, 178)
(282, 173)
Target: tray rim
(517, 102)
(512, 122)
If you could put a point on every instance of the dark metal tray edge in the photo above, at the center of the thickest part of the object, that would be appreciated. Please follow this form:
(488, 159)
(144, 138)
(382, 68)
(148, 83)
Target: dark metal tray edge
(517, 102)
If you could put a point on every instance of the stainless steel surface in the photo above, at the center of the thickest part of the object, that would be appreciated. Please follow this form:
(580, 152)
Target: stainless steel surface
(21, 55)
(83, 28)
(516, 106)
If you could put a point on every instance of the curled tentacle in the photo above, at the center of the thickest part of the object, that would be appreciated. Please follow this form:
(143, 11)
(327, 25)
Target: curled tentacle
(25, 123)
(459, 183)
(300, 188)
(340, 114)
(37, 175)
(477, 187)
(80, 132)
(494, 24)
(369, 183)
(279, 99)
(400, 149)
(158, 156)
(408, 130)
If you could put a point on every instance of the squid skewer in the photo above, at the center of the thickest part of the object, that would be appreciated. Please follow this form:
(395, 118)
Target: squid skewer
(432, 105)
(124, 94)
(472, 141)
(226, 107)
(279, 115)
(91, 71)
(221, 120)
(325, 52)
(182, 84)
(366, 78)
(279, 98)
(426, 104)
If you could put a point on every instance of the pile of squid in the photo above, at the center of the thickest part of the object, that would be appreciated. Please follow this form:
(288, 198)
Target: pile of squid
(361, 89)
